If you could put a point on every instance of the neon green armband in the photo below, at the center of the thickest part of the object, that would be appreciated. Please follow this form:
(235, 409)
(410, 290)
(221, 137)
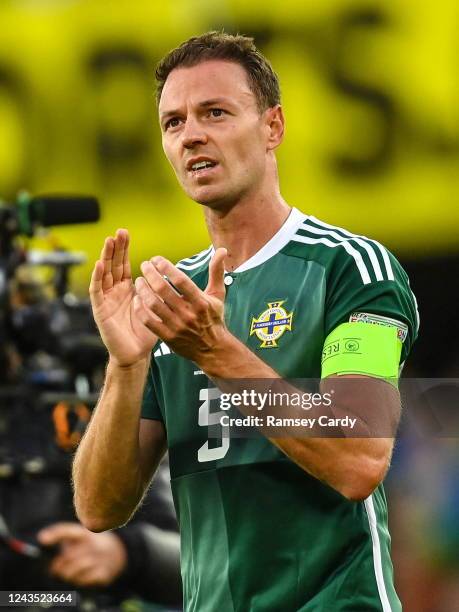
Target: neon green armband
(362, 348)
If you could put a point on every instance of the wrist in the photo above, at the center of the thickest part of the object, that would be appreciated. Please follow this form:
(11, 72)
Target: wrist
(127, 369)
(215, 361)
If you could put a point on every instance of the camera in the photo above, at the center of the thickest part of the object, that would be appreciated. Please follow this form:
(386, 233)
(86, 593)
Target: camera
(51, 364)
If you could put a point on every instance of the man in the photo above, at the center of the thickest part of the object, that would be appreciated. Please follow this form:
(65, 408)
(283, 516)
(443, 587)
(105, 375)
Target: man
(281, 523)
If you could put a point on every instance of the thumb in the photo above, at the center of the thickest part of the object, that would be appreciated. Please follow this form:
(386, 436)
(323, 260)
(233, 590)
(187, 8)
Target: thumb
(216, 286)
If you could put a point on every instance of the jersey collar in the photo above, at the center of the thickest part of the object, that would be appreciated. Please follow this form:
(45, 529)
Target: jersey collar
(276, 243)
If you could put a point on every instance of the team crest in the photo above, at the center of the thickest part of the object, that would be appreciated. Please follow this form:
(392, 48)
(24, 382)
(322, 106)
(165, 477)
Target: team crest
(271, 324)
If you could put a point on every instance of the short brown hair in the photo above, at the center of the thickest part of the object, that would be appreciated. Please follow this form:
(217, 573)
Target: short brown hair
(263, 81)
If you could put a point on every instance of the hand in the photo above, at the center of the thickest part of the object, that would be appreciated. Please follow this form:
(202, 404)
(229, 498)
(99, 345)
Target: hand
(115, 306)
(191, 323)
(86, 559)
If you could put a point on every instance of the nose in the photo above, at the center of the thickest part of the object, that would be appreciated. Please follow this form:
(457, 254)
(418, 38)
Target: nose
(193, 134)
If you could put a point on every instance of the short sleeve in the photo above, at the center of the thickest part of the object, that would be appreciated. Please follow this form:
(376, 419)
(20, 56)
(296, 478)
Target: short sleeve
(353, 295)
(150, 404)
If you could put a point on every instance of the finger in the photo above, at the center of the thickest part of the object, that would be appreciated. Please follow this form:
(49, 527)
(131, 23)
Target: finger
(118, 255)
(93, 576)
(143, 321)
(95, 287)
(126, 262)
(143, 291)
(189, 290)
(69, 569)
(149, 323)
(107, 258)
(67, 556)
(216, 285)
(55, 534)
(155, 304)
(161, 287)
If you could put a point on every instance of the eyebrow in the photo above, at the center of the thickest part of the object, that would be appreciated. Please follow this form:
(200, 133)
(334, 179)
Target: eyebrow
(204, 104)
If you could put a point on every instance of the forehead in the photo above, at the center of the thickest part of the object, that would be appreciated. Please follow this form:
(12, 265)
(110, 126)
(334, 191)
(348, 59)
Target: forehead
(205, 81)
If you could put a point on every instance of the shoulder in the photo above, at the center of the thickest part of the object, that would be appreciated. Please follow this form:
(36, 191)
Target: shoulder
(361, 274)
(339, 250)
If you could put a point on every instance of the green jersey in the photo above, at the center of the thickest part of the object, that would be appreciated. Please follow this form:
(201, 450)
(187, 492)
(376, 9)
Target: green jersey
(258, 533)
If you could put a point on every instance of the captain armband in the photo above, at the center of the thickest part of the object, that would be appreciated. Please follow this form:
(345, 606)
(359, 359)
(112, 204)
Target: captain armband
(363, 348)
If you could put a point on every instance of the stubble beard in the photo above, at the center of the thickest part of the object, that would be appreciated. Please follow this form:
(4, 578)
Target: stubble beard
(220, 201)
(223, 200)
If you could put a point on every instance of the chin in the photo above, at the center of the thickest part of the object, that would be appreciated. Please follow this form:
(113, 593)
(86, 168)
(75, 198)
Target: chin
(209, 197)
(214, 196)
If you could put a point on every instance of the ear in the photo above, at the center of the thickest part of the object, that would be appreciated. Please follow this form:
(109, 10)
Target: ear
(275, 125)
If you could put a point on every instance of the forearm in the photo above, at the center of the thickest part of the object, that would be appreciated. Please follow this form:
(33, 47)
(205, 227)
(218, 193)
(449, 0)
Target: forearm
(352, 466)
(107, 474)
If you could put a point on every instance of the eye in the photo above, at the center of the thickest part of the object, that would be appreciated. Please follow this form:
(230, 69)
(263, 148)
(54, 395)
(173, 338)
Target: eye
(217, 112)
(172, 123)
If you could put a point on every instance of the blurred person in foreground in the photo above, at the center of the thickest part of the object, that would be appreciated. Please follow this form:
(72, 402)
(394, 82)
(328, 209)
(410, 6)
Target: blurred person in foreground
(293, 521)
(140, 560)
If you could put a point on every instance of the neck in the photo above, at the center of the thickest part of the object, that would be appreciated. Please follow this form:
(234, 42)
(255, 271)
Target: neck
(247, 226)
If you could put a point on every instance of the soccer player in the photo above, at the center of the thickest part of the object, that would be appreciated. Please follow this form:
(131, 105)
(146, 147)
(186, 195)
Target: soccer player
(283, 523)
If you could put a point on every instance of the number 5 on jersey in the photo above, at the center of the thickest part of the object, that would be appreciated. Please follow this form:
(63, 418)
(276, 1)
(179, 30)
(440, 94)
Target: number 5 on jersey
(207, 419)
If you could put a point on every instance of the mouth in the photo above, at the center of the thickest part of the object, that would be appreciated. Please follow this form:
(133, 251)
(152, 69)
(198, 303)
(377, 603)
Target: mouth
(202, 167)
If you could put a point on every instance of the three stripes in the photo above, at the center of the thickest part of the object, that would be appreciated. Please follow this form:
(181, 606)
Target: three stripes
(344, 238)
(334, 237)
(195, 261)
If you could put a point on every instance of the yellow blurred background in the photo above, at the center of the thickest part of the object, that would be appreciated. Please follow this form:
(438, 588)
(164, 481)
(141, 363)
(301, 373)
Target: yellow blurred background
(371, 98)
(370, 92)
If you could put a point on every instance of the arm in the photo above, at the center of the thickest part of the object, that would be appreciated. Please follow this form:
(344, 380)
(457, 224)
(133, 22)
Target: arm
(117, 457)
(193, 325)
(352, 466)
